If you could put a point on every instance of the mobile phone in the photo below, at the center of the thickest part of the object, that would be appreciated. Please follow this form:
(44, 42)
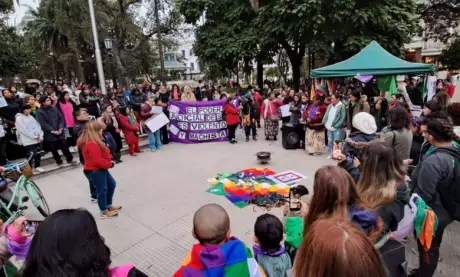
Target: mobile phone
(31, 226)
(294, 200)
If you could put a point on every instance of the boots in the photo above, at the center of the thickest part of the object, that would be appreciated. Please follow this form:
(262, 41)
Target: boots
(118, 157)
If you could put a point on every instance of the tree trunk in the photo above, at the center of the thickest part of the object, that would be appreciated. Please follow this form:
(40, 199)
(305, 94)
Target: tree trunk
(260, 74)
(296, 73)
(160, 45)
(120, 68)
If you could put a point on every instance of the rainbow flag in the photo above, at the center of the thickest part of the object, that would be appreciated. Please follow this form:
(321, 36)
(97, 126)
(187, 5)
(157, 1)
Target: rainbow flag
(241, 187)
(232, 259)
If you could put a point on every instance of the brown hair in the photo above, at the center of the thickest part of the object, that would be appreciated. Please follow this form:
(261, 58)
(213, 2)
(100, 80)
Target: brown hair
(333, 248)
(91, 131)
(333, 192)
(381, 171)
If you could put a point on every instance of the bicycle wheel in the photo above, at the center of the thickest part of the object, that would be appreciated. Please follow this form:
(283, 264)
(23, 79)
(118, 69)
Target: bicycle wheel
(39, 202)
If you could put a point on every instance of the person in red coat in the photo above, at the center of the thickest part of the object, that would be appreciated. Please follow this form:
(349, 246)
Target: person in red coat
(98, 161)
(130, 127)
(258, 101)
(232, 117)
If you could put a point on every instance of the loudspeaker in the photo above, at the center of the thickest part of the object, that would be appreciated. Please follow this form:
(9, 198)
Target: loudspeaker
(291, 136)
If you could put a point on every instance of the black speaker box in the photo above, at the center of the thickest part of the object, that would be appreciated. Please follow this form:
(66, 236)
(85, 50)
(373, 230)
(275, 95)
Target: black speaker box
(291, 135)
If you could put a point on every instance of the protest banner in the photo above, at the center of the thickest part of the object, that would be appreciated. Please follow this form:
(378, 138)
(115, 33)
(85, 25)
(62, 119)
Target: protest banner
(197, 122)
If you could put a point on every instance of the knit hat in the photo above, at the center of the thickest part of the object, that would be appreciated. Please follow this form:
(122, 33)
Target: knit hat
(365, 123)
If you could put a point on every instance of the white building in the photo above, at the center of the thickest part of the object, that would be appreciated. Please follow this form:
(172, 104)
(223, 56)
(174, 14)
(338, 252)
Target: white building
(185, 51)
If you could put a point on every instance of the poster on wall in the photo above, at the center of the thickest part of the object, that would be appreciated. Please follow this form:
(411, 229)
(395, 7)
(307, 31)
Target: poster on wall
(197, 122)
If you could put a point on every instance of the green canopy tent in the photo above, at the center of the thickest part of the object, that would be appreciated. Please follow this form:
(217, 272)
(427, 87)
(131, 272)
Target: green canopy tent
(372, 60)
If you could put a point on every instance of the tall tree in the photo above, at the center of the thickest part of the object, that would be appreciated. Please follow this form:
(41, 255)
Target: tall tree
(231, 26)
(441, 18)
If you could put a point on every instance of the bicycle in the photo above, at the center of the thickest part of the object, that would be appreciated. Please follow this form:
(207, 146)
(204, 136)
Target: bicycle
(23, 191)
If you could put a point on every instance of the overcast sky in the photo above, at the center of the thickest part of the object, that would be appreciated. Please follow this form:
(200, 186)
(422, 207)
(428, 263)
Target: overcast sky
(20, 11)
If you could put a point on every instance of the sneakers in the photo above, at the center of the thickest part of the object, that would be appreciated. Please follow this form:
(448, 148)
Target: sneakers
(74, 162)
(254, 138)
(247, 139)
(38, 170)
(73, 149)
(275, 138)
(109, 215)
(93, 200)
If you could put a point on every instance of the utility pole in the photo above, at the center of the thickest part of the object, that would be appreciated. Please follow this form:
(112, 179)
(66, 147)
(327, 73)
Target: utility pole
(160, 44)
(97, 50)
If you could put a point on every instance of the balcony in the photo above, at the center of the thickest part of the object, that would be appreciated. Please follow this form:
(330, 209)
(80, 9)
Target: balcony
(432, 48)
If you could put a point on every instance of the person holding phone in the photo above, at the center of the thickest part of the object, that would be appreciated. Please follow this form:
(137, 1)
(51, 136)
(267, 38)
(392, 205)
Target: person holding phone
(98, 161)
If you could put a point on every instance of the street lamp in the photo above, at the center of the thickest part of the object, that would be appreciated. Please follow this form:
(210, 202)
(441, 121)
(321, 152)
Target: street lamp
(109, 46)
(97, 50)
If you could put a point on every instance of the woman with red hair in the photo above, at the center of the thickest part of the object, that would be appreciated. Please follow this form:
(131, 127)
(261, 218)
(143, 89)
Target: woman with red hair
(336, 247)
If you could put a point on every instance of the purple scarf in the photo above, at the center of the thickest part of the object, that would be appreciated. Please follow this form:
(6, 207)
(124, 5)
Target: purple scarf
(19, 250)
(259, 251)
(312, 112)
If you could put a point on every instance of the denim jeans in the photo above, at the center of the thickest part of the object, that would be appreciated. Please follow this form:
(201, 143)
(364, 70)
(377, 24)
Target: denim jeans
(92, 189)
(332, 136)
(105, 187)
(154, 140)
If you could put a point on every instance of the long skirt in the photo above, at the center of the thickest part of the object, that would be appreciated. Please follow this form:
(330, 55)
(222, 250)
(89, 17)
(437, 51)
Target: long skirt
(314, 141)
(271, 127)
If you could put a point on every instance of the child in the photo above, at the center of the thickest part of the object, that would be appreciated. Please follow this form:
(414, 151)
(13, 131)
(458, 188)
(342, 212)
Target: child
(130, 130)
(217, 254)
(269, 253)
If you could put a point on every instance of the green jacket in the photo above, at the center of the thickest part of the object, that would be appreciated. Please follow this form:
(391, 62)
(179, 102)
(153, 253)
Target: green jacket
(294, 231)
(340, 116)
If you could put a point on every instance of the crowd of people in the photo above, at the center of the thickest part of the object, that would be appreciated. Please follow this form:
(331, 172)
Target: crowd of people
(386, 157)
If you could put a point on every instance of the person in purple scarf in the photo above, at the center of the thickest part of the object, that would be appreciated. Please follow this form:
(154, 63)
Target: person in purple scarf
(268, 251)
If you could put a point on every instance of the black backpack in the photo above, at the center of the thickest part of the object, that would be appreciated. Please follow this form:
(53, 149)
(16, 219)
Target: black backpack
(450, 190)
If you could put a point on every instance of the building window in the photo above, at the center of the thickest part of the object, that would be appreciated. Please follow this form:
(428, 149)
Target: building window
(183, 53)
(191, 52)
(192, 67)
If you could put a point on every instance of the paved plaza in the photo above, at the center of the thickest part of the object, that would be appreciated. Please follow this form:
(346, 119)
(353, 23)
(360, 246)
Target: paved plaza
(160, 192)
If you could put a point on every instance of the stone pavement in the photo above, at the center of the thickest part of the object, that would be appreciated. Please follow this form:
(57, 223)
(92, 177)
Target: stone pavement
(160, 192)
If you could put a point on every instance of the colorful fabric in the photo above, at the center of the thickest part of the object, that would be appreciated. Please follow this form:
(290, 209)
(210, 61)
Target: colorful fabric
(314, 141)
(387, 84)
(243, 186)
(271, 127)
(426, 224)
(232, 259)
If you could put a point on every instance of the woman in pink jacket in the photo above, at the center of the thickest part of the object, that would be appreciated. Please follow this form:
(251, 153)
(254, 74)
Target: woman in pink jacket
(271, 114)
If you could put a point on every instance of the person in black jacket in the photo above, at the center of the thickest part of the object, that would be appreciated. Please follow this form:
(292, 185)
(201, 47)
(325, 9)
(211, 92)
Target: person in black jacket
(123, 102)
(436, 171)
(136, 100)
(90, 102)
(52, 123)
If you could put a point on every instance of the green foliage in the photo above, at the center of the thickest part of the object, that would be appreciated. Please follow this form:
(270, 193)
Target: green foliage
(15, 55)
(440, 17)
(450, 56)
(272, 72)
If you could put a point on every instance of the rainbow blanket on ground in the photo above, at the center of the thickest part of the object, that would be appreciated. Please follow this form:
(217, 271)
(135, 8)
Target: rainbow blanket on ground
(241, 187)
(232, 259)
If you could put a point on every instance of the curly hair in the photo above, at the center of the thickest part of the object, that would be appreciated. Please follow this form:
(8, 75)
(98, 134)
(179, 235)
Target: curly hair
(441, 129)
(453, 110)
(398, 118)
